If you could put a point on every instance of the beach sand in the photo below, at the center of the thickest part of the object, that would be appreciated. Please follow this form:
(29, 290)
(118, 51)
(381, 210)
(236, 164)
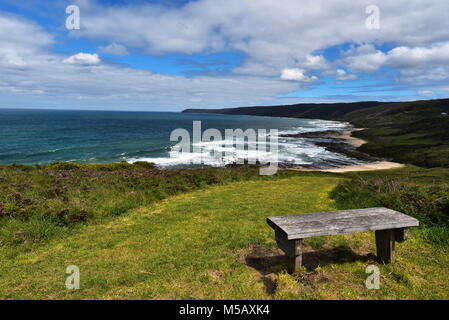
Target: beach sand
(347, 136)
(378, 165)
(356, 142)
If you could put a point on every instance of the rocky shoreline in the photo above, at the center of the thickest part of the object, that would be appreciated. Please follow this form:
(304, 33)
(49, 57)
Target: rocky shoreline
(341, 141)
(338, 141)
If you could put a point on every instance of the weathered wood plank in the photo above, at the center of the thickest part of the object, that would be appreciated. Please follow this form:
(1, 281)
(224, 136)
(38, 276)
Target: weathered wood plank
(340, 222)
(385, 244)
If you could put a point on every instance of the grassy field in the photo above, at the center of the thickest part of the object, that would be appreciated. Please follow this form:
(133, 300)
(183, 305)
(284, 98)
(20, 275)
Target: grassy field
(212, 242)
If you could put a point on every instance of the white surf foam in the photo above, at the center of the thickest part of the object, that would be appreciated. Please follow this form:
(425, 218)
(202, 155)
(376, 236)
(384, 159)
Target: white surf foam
(295, 151)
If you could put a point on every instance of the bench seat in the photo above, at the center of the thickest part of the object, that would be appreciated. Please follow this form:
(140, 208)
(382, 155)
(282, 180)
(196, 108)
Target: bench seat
(390, 226)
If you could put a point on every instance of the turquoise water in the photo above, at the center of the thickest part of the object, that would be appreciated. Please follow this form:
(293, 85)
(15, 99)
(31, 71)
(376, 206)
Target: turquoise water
(45, 136)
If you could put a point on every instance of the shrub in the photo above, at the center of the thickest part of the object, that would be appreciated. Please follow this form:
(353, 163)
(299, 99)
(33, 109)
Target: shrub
(429, 203)
(14, 232)
(69, 217)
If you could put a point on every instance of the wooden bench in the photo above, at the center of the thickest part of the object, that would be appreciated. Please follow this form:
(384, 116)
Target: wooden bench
(390, 226)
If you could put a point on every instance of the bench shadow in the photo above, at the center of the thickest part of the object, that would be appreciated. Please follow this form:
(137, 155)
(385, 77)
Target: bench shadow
(268, 262)
(337, 255)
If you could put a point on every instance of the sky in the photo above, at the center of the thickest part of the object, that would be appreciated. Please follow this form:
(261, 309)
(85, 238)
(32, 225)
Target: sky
(168, 55)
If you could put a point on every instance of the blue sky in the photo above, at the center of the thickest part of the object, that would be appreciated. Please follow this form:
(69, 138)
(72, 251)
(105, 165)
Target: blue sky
(172, 54)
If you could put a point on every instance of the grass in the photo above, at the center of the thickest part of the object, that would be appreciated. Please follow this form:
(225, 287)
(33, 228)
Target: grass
(213, 243)
(421, 193)
(37, 203)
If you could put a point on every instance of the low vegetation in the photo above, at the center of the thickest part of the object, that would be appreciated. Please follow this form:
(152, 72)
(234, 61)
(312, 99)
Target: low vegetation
(37, 203)
(421, 193)
(407, 132)
(201, 234)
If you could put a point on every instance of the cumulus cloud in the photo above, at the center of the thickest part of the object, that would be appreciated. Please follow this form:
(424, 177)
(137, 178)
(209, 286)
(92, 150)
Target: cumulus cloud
(364, 58)
(296, 74)
(83, 59)
(12, 60)
(315, 62)
(368, 58)
(405, 57)
(101, 87)
(342, 75)
(414, 63)
(271, 34)
(19, 40)
(290, 36)
(20, 35)
(49, 83)
(114, 49)
(367, 63)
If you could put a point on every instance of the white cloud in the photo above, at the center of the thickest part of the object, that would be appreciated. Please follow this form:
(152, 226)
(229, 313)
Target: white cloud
(426, 93)
(342, 75)
(365, 58)
(19, 40)
(83, 59)
(20, 35)
(12, 59)
(315, 62)
(367, 63)
(271, 34)
(47, 82)
(296, 74)
(414, 63)
(405, 57)
(115, 49)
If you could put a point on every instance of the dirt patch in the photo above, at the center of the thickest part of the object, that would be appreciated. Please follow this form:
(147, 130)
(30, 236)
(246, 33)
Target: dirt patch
(268, 263)
(265, 261)
(271, 283)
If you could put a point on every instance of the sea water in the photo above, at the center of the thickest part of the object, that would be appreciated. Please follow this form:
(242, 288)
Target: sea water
(46, 136)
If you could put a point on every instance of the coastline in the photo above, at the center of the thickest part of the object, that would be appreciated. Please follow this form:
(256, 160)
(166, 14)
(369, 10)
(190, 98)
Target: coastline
(352, 143)
(342, 149)
(347, 136)
(378, 165)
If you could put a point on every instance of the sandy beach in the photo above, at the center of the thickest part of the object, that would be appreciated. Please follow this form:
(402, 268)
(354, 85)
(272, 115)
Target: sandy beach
(347, 136)
(356, 142)
(378, 165)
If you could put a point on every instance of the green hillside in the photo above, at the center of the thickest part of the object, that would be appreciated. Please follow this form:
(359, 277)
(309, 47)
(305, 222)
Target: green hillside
(409, 132)
(308, 111)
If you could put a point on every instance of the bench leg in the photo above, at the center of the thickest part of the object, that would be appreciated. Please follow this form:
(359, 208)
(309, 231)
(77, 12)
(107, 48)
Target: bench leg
(401, 234)
(385, 240)
(291, 248)
(296, 259)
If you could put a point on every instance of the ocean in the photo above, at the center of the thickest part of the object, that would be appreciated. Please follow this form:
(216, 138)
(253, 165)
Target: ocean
(46, 136)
